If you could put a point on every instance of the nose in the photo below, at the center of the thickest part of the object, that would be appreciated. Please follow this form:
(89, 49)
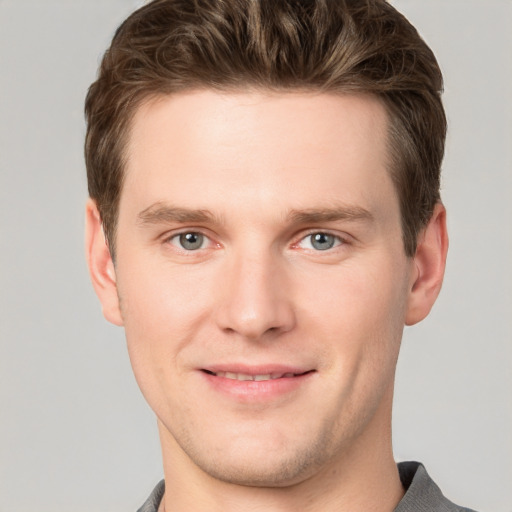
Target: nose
(255, 299)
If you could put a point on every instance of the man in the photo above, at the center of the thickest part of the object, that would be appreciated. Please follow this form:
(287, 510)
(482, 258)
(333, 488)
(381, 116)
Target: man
(264, 220)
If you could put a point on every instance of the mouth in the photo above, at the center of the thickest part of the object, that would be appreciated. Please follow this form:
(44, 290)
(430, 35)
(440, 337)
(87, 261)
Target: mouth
(256, 377)
(257, 384)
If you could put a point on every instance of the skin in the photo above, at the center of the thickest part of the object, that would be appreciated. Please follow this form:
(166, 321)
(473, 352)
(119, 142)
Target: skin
(256, 174)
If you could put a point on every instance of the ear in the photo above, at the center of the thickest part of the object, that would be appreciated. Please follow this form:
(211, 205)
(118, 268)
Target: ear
(429, 263)
(101, 266)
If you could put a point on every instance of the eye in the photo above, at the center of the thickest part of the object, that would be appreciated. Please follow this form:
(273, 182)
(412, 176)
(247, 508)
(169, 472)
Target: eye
(320, 241)
(190, 241)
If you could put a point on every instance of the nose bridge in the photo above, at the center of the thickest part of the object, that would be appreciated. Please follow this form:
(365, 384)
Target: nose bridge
(254, 301)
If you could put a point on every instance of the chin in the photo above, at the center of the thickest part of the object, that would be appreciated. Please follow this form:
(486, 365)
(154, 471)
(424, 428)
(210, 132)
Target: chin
(262, 462)
(274, 472)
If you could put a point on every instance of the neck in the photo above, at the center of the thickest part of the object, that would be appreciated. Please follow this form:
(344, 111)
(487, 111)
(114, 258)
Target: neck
(364, 478)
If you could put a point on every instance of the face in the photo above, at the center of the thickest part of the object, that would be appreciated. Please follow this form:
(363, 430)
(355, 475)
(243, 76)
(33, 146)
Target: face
(262, 278)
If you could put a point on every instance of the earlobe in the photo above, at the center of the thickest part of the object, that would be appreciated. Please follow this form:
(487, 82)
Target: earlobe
(429, 262)
(101, 266)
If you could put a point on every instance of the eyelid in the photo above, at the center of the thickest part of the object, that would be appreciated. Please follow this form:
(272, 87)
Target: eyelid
(169, 236)
(343, 239)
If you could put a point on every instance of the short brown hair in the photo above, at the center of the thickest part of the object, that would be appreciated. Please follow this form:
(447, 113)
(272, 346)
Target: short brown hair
(345, 46)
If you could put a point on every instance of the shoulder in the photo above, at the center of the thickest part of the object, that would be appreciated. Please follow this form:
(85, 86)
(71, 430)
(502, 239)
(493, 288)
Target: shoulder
(153, 502)
(421, 492)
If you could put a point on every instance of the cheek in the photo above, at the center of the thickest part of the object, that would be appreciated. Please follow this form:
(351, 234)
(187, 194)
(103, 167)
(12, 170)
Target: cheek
(355, 292)
(162, 310)
(160, 296)
(360, 308)
(159, 313)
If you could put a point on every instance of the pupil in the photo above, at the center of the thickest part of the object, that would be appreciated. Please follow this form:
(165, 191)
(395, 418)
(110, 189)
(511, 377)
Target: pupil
(322, 241)
(191, 240)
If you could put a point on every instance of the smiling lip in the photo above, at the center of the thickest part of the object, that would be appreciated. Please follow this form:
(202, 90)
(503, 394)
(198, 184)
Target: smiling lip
(262, 383)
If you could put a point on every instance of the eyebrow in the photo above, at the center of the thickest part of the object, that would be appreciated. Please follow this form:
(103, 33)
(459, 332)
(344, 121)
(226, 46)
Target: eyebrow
(160, 213)
(315, 216)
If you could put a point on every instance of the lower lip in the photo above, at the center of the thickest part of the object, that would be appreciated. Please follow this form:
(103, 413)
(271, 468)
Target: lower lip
(255, 391)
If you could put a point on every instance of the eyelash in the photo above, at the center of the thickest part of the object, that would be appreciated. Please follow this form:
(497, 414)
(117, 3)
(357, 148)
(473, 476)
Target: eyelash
(338, 240)
(177, 236)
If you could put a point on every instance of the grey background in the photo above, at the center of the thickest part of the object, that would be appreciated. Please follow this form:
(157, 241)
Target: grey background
(75, 433)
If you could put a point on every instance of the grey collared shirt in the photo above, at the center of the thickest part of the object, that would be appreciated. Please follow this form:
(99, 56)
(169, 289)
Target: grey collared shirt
(421, 495)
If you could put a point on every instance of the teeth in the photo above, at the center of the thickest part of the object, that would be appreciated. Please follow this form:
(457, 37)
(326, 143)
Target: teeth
(244, 376)
(262, 377)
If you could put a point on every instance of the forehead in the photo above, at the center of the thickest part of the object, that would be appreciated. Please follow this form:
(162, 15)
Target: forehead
(264, 149)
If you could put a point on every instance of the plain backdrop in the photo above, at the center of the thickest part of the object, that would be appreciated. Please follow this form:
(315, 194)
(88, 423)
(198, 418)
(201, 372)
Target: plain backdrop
(75, 433)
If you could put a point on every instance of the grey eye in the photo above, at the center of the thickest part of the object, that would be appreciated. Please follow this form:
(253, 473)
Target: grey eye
(322, 241)
(191, 241)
